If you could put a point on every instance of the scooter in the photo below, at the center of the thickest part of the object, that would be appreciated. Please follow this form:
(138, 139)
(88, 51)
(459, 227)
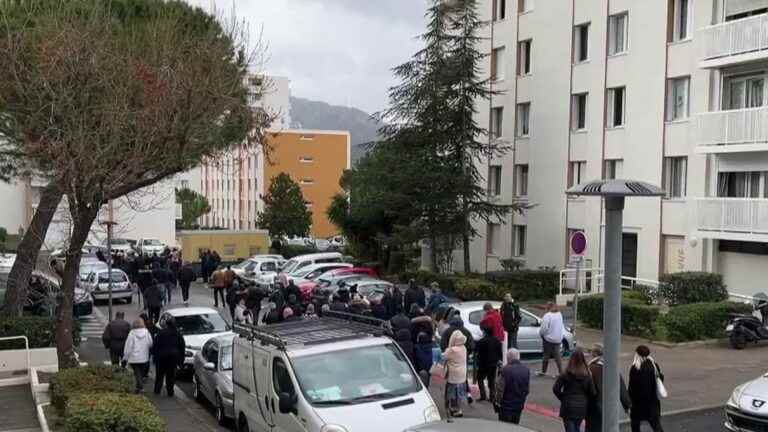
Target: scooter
(743, 329)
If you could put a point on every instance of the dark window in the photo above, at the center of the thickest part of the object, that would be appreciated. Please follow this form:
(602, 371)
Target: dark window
(281, 379)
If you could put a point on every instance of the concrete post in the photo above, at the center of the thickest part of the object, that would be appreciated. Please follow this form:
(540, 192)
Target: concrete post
(614, 208)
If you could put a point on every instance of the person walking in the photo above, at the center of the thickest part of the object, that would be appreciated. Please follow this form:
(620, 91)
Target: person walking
(510, 317)
(153, 299)
(492, 320)
(488, 356)
(576, 392)
(414, 295)
(455, 357)
(551, 332)
(422, 354)
(512, 388)
(168, 352)
(219, 284)
(436, 298)
(404, 340)
(205, 265)
(114, 337)
(233, 296)
(186, 277)
(241, 314)
(138, 346)
(643, 391)
(421, 322)
(594, 420)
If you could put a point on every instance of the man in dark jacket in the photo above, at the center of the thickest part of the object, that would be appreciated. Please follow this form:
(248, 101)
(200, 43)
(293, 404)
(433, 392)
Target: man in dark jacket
(395, 305)
(400, 322)
(421, 323)
(168, 352)
(404, 340)
(414, 295)
(114, 337)
(512, 388)
(153, 298)
(487, 358)
(510, 317)
(457, 324)
(594, 420)
(186, 277)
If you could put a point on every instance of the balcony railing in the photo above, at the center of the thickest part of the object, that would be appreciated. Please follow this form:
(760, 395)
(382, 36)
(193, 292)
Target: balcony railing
(734, 37)
(733, 127)
(736, 215)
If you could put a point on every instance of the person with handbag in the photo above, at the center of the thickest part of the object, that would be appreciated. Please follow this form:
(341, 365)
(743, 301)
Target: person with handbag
(646, 389)
(576, 391)
(594, 420)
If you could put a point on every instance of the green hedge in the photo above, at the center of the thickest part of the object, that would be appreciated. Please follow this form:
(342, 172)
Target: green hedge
(41, 331)
(692, 287)
(67, 383)
(526, 284)
(698, 321)
(112, 412)
(425, 278)
(637, 318)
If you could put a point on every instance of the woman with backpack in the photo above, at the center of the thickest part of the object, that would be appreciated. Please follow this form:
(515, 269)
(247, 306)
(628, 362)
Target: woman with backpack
(576, 391)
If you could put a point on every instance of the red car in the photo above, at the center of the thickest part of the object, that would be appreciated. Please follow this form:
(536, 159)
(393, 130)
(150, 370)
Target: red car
(306, 288)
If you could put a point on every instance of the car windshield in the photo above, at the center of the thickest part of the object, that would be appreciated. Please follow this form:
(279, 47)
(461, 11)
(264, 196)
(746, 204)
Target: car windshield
(201, 324)
(369, 290)
(355, 375)
(226, 358)
(116, 277)
(322, 283)
(476, 316)
(290, 265)
(152, 242)
(244, 265)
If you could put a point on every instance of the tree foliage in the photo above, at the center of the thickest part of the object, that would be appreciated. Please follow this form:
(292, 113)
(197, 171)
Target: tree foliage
(193, 206)
(285, 210)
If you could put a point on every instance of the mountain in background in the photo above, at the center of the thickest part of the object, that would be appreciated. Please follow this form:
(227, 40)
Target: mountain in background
(308, 114)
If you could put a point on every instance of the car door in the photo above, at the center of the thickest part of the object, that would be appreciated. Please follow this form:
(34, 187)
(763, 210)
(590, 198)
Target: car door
(210, 379)
(528, 339)
(282, 382)
(203, 374)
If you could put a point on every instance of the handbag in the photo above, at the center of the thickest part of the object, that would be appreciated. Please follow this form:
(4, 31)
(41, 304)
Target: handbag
(661, 390)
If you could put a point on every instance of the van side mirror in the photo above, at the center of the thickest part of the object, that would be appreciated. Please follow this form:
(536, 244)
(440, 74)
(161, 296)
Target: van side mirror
(209, 366)
(287, 403)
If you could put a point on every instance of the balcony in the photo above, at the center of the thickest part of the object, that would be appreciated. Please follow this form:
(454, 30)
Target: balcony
(741, 130)
(744, 219)
(734, 42)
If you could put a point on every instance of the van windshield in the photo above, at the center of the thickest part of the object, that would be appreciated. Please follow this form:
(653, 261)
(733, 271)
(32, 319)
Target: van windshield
(355, 376)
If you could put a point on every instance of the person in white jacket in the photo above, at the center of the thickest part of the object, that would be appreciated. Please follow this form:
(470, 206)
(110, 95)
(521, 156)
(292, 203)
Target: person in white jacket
(551, 332)
(136, 353)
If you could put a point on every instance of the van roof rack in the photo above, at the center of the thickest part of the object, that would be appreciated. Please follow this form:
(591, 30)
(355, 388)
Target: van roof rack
(331, 327)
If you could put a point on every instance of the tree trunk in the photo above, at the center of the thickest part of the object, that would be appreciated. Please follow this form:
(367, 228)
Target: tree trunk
(433, 253)
(465, 238)
(82, 220)
(28, 250)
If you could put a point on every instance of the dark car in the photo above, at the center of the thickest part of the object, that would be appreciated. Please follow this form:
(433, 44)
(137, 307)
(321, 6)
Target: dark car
(43, 295)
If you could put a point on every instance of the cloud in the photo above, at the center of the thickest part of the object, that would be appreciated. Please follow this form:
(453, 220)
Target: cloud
(337, 51)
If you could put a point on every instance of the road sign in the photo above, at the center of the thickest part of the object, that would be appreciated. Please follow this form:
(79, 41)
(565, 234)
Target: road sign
(578, 243)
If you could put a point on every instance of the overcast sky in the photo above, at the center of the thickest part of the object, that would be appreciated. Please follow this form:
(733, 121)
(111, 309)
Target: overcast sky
(337, 51)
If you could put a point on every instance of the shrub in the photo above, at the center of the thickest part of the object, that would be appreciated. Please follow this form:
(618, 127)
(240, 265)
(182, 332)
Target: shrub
(692, 287)
(512, 264)
(475, 289)
(637, 318)
(396, 263)
(39, 330)
(92, 379)
(290, 251)
(112, 412)
(698, 321)
(526, 284)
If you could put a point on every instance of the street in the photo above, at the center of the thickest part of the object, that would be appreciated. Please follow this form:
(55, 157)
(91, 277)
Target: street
(690, 392)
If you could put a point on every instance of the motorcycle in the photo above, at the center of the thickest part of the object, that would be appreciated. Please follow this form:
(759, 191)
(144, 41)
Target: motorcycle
(743, 329)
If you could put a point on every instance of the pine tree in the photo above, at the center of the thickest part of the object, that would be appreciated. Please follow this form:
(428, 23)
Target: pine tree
(285, 211)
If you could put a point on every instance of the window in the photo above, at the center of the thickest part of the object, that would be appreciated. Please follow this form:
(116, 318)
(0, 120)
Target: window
(680, 14)
(612, 169)
(675, 169)
(281, 379)
(492, 239)
(497, 64)
(617, 33)
(185, 184)
(677, 98)
(497, 119)
(577, 173)
(499, 9)
(306, 159)
(523, 119)
(579, 112)
(521, 180)
(229, 249)
(615, 109)
(307, 181)
(581, 43)
(520, 238)
(307, 137)
(524, 5)
(739, 184)
(524, 57)
(494, 180)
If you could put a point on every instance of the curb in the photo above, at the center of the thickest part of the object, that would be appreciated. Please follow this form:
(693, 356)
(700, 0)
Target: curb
(41, 417)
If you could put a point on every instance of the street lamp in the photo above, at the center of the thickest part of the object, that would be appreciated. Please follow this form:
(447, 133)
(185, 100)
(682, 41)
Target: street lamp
(614, 192)
(110, 223)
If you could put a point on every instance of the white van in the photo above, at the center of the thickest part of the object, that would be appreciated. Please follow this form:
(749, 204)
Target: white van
(330, 374)
(301, 261)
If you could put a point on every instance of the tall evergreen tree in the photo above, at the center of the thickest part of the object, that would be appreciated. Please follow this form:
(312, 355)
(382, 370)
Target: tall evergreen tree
(285, 210)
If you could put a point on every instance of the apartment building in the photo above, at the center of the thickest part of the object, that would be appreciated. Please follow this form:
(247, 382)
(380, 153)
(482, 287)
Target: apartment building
(672, 92)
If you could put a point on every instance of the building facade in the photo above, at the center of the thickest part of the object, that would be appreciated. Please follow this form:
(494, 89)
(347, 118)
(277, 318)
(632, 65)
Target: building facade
(672, 92)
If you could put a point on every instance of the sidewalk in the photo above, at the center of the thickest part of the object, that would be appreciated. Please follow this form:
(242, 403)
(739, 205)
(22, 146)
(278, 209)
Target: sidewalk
(18, 400)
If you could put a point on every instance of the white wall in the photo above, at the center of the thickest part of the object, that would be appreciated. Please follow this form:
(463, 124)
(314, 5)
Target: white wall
(743, 273)
(13, 215)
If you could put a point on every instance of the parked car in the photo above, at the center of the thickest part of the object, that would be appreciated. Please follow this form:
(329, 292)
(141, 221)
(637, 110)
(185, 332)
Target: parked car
(467, 424)
(256, 267)
(747, 408)
(97, 283)
(212, 377)
(528, 339)
(329, 287)
(372, 288)
(119, 246)
(337, 242)
(43, 293)
(149, 246)
(198, 325)
(331, 275)
(322, 245)
(313, 271)
(90, 265)
(301, 261)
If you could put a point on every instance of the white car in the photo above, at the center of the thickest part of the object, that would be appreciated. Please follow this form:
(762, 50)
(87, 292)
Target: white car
(256, 267)
(90, 265)
(122, 246)
(97, 283)
(198, 325)
(747, 408)
(149, 246)
(312, 271)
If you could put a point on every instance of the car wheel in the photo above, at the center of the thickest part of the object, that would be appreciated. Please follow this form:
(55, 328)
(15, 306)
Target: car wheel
(242, 424)
(197, 392)
(738, 340)
(220, 416)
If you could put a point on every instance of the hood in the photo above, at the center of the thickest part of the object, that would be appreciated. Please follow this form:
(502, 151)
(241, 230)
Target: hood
(358, 417)
(754, 397)
(457, 339)
(196, 342)
(140, 333)
(456, 322)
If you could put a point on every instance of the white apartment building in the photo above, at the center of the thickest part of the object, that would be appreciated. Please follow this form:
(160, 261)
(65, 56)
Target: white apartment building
(671, 92)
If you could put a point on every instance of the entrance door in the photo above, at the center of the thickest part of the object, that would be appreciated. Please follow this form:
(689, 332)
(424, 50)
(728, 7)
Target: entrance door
(629, 255)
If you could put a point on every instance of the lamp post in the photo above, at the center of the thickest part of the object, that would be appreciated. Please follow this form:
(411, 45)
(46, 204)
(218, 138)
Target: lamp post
(110, 223)
(614, 192)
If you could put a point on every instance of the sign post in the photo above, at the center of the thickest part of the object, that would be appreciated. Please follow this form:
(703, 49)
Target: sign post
(578, 243)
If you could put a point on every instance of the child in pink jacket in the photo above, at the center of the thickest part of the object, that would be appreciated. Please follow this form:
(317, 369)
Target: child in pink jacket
(455, 357)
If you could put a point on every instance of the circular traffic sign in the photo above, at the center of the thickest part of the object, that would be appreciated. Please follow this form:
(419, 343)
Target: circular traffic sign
(578, 242)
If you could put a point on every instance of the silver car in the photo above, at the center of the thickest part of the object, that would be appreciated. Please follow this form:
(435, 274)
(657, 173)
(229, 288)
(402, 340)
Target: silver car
(747, 408)
(528, 338)
(212, 377)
